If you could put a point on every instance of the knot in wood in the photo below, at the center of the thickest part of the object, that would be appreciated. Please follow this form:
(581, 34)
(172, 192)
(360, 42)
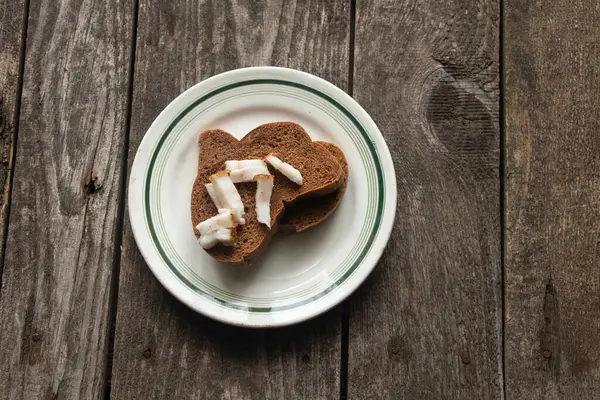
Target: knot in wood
(547, 353)
(93, 185)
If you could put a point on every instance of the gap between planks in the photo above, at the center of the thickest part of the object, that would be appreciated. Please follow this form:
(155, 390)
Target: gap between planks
(345, 329)
(114, 288)
(16, 119)
(502, 125)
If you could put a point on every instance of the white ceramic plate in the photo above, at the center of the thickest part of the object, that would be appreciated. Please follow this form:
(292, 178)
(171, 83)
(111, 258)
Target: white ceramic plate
(299, 276)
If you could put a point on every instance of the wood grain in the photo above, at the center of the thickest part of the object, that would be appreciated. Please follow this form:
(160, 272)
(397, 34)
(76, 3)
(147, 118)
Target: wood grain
(163, 349)
(552, 230)
(427, 323)
(54, 303)
(12, 21)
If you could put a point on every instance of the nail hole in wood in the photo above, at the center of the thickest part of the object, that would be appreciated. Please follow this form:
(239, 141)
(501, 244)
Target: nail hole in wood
(147, 353)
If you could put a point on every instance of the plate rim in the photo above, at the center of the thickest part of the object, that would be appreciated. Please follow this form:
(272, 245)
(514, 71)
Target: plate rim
(181, 103)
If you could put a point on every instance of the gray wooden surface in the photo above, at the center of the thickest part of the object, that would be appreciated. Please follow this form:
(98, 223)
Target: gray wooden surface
(552, 286)
(427, 323)
(55, 297)
(155, 334)
(489, 287)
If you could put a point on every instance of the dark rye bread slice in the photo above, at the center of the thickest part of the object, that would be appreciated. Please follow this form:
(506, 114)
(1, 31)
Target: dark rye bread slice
(306, 214)
(321, 172)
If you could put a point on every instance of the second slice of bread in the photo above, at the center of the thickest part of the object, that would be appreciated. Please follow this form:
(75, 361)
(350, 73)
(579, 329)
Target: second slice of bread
(308, 213)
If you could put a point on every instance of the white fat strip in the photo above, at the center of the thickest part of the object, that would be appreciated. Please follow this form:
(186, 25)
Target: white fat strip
(213, 196)
(286, 169)
(224, 236)
(232, 165)
(222, 220)
(228, 195)
(217, 229)
(208, 241)
(264, 189)
(247, 174)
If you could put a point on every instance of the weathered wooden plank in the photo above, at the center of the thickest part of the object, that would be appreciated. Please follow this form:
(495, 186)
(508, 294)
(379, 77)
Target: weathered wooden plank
(552, 230)
(54, 303)
(12, 21)
(427, 324)
(163, 349)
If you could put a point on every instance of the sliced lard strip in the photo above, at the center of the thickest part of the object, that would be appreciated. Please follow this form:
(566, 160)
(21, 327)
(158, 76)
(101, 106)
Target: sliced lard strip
(217, 229)
(264, 189)
(247, 174)
(286, 169)
(224, 236)
(208, 241)
(227, 194)
(232, 165)
(224, 219)
(213, 196)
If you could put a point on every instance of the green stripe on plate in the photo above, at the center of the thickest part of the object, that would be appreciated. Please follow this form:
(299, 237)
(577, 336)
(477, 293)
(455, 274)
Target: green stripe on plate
(378, 216)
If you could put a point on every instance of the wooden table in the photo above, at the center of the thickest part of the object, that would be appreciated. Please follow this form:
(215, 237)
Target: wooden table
(489, 287)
